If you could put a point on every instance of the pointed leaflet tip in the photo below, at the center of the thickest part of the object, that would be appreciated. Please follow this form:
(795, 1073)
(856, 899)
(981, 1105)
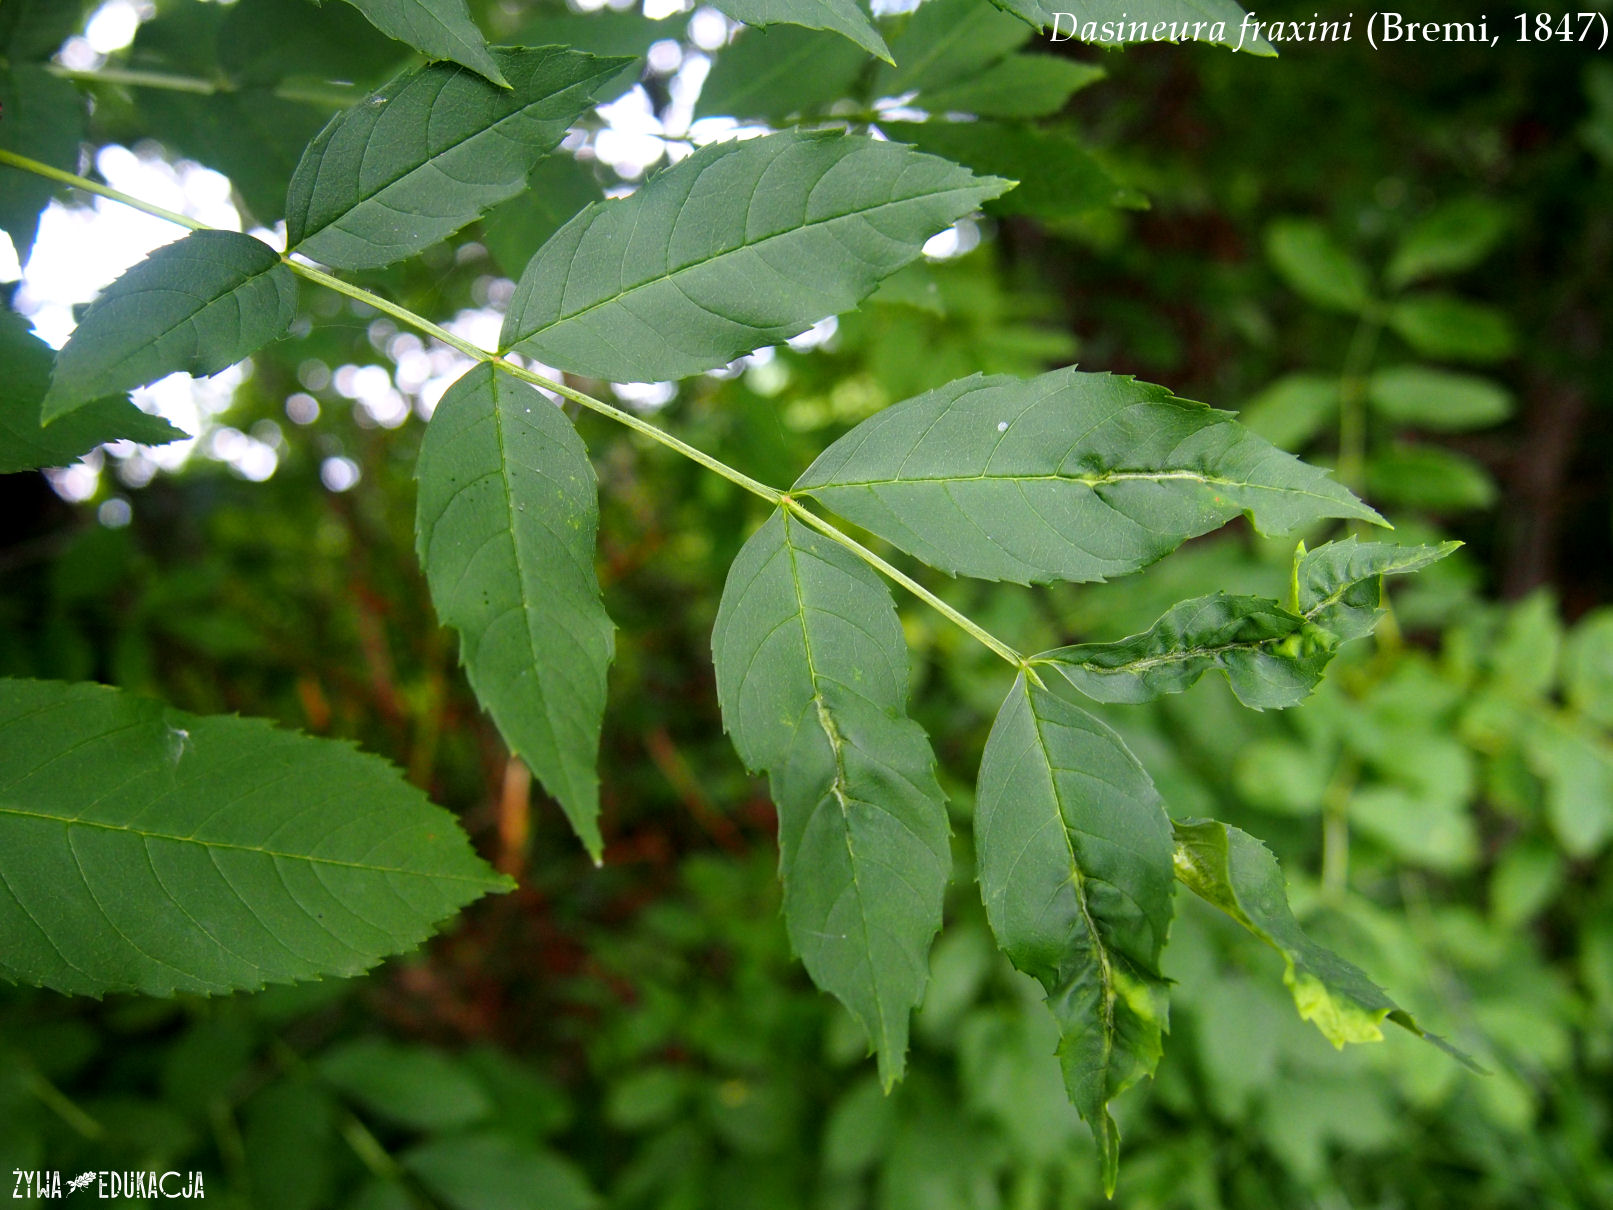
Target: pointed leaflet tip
(505, 526)
(844, 17)
(1236, 873)
(1109, 1146)
(438, 29)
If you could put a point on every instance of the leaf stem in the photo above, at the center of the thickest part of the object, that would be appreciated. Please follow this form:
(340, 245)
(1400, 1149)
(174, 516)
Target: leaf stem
(368, 1149)
(476, 352)
(1336, 828)
(638, 424)
(334, 96)
(89, 186)
(1353, 399)
(63, 1106)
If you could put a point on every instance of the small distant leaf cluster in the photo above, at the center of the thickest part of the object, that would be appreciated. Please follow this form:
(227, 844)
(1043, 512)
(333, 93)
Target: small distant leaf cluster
(1384, 404)
(148, 850)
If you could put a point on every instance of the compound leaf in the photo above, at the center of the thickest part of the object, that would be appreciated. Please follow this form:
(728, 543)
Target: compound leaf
(432, 150)
(1271, 657)
(812, 678)
(438, 29)
(1066, 476)
(741, 245)
(146, 850)
(25, 444)
(1075, 868)
(840, 16)
(505, 528)
(1234, 872)
(198, 305)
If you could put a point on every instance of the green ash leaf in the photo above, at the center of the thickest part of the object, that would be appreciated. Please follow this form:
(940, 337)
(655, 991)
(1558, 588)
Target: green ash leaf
(1271, 656)
(438, 29)
(146, 850)
(1067, 476)
(1234, 872)
(741, 245)
(843, 17)
(1059, 178)
(197, 305)
(1075, 867)
(1339, 583)
(505, 528)
(1019, 86)
(812, 676)
(431, 151)
(43, 120)
(25, 444)
(773, 73)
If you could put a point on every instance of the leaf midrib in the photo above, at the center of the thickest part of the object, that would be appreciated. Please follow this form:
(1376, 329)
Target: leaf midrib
(229, 846)
(1174, 656)
(1097, 480)
(1078, 881)
(838, 786)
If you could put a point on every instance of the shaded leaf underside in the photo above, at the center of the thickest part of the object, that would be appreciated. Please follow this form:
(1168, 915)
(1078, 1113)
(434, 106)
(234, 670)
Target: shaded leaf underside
(25, 364)
(843, 17)
(197, 305)
(438, 29)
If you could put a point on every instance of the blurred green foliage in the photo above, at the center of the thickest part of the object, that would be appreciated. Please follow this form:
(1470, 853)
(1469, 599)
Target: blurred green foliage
(1396, 260)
